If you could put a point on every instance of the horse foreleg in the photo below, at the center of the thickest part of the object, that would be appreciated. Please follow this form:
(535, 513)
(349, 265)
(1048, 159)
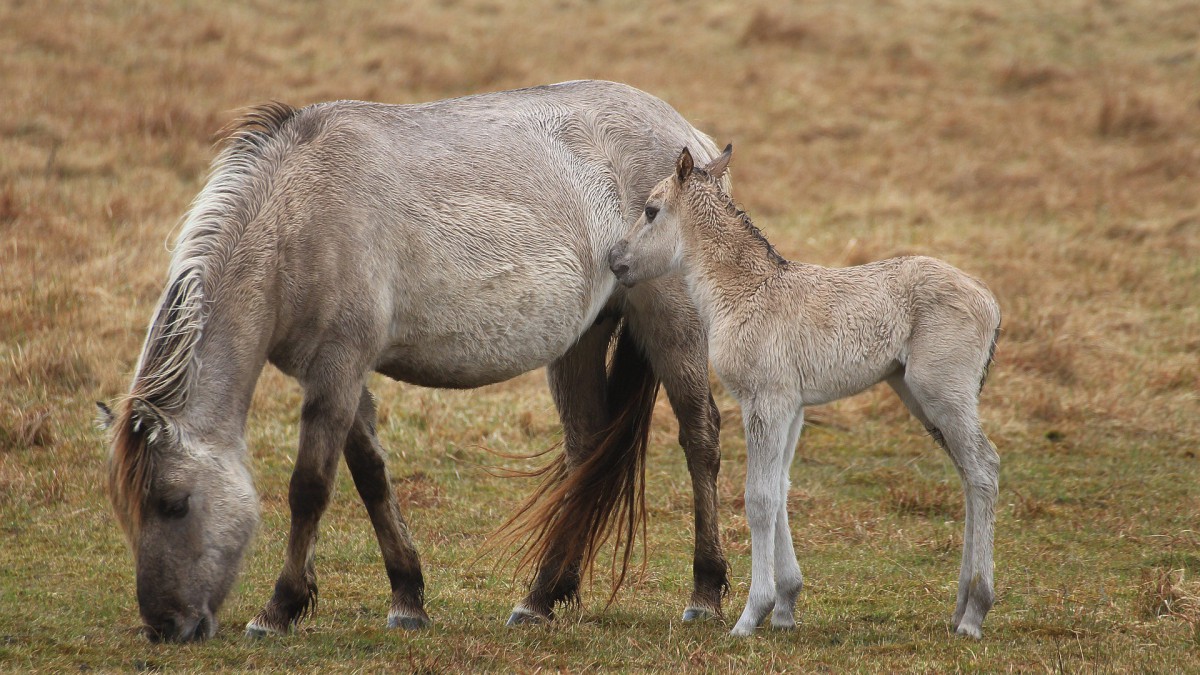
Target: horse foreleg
(577, 383)
(368, 467)
(324, 424)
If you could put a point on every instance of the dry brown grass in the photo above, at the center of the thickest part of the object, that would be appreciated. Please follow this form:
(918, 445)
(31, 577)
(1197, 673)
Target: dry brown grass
(1051, 151)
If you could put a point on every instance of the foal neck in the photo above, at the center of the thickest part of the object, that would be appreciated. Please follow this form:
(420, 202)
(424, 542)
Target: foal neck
(727, 259)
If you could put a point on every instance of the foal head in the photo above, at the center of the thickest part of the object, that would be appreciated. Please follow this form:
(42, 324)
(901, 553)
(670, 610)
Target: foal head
(653, 246)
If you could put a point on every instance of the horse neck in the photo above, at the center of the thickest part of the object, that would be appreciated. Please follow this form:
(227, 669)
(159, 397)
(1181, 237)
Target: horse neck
(725, 262)
(232, 348)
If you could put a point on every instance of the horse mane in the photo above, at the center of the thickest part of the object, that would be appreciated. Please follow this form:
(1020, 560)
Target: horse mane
(168, 364)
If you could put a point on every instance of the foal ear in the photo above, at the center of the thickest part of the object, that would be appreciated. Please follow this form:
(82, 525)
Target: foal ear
(717, 167)
(684, 165)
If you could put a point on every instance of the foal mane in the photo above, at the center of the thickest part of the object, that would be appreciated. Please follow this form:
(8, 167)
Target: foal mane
(733, 211)
(168, 366)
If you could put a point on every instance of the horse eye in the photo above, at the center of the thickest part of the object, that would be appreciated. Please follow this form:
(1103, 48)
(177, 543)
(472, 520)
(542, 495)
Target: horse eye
(174, 508)
(651, 211)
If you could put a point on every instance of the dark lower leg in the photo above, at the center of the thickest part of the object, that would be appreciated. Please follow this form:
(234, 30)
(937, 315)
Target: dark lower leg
(699, 431)
(322, 434)
(368, 468)
(577, 383)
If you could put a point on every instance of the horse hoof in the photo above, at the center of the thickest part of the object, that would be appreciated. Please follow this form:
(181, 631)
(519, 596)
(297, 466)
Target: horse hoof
(697, 614)
(256, 631)
(408, 622)
(524, 618)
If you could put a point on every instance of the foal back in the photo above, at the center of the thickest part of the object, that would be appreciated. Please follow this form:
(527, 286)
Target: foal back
(844, 329)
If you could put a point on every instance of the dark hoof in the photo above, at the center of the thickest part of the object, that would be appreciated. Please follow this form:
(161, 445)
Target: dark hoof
(696, 614)
(523, 618)
(408, 622)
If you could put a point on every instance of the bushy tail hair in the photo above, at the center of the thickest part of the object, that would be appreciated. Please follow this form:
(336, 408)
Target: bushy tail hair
(574, 512)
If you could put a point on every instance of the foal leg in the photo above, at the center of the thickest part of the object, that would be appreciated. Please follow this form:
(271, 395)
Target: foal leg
(330, 405)
(674, 341)
(577, 384)
(788, 580)
(368, 467)
(766, 434)
(949, 409)
(899, 385)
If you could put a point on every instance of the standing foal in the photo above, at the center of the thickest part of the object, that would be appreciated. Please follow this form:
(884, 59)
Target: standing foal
(783, 335)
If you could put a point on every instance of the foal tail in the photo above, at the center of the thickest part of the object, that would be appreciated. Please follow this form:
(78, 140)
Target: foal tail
(991, 357)
(574, 511)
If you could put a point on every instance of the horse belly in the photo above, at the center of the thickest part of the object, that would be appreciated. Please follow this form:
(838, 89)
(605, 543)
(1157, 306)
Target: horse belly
(486, 331)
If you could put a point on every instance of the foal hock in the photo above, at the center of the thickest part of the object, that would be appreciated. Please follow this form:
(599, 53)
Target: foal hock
(783, 335)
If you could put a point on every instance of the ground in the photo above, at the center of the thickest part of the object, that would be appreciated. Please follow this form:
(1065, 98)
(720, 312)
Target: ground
(1052, 152)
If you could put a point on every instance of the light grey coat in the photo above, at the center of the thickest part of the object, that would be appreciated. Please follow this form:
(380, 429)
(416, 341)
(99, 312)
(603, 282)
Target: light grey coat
(448, 244)
(784, 335)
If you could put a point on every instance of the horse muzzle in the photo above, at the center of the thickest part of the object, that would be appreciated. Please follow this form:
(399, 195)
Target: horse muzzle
(180, 628)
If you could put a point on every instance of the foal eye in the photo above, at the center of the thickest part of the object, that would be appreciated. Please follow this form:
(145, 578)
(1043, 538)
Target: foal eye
(174, 508)
(651, 211)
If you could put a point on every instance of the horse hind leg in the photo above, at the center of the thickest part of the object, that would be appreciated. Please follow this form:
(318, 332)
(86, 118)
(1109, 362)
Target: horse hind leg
(368, 468)
(788, 579)
(953, 419)
(577, 384)
(674, 342)
(325, 421)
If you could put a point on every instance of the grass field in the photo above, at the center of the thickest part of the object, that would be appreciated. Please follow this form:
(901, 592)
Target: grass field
(1053, 152)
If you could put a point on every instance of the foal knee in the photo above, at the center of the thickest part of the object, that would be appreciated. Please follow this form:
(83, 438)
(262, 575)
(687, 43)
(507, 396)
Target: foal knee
(761, 505)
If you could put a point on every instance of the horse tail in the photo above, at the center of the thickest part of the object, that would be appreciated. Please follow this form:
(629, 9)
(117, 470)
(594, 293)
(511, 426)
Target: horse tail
(575, 510)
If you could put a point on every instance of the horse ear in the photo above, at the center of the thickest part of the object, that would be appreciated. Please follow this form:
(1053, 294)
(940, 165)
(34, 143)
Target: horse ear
(684, 165)
(146, 419)
(717, 167)
(104, 416)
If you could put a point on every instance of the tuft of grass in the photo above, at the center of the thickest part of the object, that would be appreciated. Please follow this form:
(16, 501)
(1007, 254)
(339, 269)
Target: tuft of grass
(1166, 592)
(1124, 113)
(926, 499)
(766, 27)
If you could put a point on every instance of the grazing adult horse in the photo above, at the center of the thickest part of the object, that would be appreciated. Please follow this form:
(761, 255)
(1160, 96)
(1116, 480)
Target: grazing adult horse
(784, 335)
(450, 244)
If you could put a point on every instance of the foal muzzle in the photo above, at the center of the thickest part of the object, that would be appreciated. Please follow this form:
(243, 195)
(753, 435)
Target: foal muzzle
(617, 262)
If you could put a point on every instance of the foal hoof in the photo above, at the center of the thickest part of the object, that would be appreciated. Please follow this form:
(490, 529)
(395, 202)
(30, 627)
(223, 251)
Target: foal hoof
(740, 631)
(408, 622)
(969, 631)
(698, 614)
(521, 617)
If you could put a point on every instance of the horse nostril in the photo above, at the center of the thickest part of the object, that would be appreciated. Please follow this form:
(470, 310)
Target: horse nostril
(202, 631)
(620, 269)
